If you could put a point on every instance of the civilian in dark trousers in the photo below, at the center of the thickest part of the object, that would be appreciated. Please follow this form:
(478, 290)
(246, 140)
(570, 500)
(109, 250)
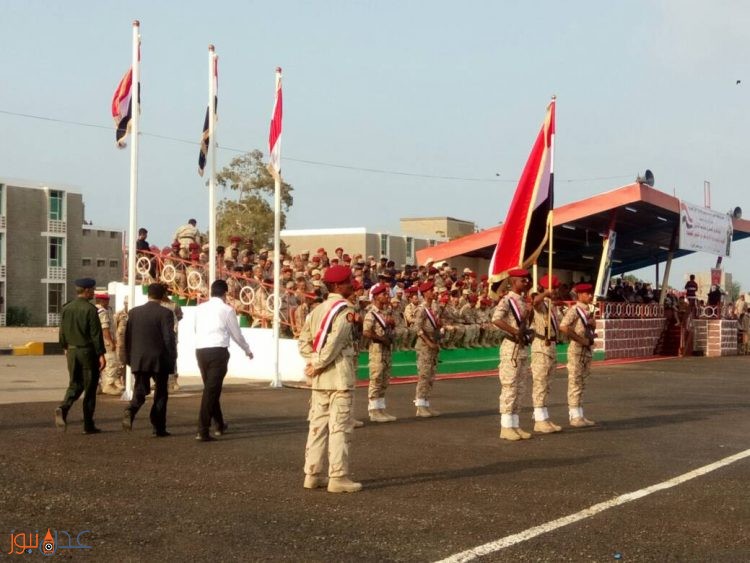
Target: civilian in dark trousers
(151, 351)
(215, 323)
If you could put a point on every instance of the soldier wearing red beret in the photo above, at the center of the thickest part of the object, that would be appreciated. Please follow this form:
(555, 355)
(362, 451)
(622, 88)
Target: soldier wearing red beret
(511, 316)
(428, 348)
(578, 325)
(327, 344)
(544, 351)
(378, 328)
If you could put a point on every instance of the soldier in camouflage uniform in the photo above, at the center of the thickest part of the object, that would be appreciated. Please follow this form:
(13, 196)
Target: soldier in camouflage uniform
(578, 326)
(544, 352)
(469, 318)
(109, 382)
(428, 348)
(326, 344)
(400, 331)
(511, 316)
(410, 314)
(452, 323)
(378, 329)
(121, 323)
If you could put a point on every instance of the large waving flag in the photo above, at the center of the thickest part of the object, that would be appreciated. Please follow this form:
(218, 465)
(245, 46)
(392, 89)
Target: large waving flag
(122, 108)
(274, 136)
(526, 226)
(205, 137)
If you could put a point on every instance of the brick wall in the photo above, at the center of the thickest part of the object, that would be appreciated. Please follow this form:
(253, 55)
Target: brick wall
(715, 337)
(628, 338)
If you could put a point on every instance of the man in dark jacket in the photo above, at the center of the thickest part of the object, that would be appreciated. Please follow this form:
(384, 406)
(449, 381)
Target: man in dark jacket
(81, 338)
(151, 352)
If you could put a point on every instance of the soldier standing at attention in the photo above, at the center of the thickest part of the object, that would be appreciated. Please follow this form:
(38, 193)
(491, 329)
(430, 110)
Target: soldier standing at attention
(121, 322)
(428, 348)
(377, 329)
(577, 325)
(109, 375)
(326, 343)
(81, 338)
(511, 316)
(544, 352)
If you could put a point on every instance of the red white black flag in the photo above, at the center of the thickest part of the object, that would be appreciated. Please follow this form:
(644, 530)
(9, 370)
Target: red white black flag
(526, 226)
(205, 137)
(274, 135)
(122, 108)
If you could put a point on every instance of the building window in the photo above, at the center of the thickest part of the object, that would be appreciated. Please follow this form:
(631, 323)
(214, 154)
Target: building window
(432, 242)
(56, 199)
(113, 234)
(409, 249)
(100, 233)
(55, 297)
(101, 262)
(384, 250)
(114, 263)
(56, 252)
(87, 232)
(86, 262)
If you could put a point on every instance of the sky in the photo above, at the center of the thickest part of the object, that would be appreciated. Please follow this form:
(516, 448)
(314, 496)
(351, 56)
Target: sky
(391, 108)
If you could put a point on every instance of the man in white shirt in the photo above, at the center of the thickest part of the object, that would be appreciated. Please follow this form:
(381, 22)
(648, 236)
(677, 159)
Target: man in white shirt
(215, 323)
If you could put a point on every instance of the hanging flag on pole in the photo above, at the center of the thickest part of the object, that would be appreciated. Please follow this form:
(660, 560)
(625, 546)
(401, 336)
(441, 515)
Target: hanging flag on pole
(122, 106)
(205, 138)
(526, 226)
(274, 136)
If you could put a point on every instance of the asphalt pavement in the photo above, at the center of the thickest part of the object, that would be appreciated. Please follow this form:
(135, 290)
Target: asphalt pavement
(432, 488)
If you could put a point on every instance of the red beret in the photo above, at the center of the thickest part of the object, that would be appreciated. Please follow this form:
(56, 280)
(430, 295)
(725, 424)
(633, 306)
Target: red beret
(444, 298)
(544, 282)
(484, 277)
(378, 289)
(337, 274)
(411, 290)
(101, 296)
(356, 285)
(235, 238)
(473, 298)
(321, 250)
(432, 270)
(175, 244)
(472, 274)
(287, 269)
(347, 258)
(584, 288)
(316, 259)
(426, 286)
(518, 273)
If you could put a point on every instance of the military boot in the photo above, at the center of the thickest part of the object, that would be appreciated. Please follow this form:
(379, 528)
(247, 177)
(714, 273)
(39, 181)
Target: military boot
(522, 433)
(433, 412)
(588, 422)
(357, 423)
(378, 415)
(509, 434)
(423, 412)
(578, 422)
(390, 417)
(544, 427)
(61, 417)
(315, 482)
(343, 485)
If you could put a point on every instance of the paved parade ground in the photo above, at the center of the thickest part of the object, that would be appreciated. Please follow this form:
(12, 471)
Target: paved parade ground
(432, 488)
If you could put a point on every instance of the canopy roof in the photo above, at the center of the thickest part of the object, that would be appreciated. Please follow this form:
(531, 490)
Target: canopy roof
(645, 219)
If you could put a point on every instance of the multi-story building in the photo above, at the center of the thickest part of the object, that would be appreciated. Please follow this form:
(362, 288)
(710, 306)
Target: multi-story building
(45, 244)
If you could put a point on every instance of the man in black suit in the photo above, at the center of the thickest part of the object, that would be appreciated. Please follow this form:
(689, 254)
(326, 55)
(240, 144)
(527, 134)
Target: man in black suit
(151, 352)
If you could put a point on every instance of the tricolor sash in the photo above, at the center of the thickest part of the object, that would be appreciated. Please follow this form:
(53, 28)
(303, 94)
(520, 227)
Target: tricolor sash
(381, 320)
(325, 325)
(431, 316)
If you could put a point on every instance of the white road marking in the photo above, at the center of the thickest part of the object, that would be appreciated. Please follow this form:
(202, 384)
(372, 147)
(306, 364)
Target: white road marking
(507, 541)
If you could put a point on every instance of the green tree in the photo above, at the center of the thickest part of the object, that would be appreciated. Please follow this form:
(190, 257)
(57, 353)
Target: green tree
(248, 210)
(736, 289)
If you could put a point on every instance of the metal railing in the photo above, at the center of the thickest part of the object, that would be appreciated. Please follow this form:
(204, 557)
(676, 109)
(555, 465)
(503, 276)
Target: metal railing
(53, 319)
(57, 226)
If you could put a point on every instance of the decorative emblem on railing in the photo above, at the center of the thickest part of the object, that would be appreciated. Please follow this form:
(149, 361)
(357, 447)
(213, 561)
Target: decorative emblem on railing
(57, 226)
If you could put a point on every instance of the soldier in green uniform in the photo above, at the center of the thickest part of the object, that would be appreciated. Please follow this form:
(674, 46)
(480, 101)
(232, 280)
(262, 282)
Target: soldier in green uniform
(81, 339)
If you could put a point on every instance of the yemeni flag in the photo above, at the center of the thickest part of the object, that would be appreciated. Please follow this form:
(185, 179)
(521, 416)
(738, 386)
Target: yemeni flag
(274, 135)
(526, 226)
(122, 108)
(205, 137)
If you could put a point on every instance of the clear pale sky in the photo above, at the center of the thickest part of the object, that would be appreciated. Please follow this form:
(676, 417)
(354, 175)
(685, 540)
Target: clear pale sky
(432, 88)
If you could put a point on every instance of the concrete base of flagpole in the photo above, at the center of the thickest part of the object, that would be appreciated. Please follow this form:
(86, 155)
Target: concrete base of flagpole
(127, 395)
(275, 384)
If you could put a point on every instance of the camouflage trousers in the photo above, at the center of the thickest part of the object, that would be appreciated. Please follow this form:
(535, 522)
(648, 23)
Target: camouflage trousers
(514, 371)
(426, 364)
(542, 370)
(330, 433)
(380, 372)
(579, 369)
(110, 375)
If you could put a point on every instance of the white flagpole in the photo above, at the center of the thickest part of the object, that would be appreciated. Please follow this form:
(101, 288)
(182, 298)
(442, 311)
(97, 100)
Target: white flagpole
(276, 262)
(135, 111)
(213, 240)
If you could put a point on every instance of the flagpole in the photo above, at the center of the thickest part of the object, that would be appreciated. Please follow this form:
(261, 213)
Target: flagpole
(276, 255)
(213, 239)
(134, 118)
(550, 221)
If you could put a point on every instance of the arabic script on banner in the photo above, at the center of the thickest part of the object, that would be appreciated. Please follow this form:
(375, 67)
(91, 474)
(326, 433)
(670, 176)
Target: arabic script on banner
(704, 230)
